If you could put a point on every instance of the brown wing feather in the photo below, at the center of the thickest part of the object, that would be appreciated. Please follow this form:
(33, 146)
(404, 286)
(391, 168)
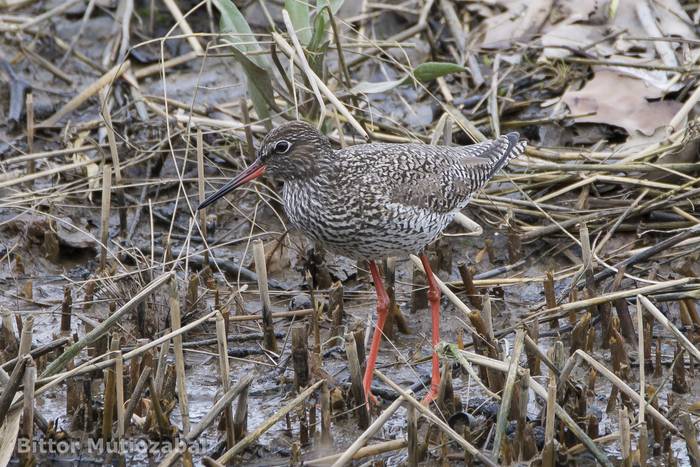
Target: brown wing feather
(450, 176)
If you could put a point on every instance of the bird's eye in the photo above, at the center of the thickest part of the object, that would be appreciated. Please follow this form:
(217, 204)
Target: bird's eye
(282, 147)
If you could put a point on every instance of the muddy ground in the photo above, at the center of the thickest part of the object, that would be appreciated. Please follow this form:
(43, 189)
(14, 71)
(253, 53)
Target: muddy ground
(605, 98)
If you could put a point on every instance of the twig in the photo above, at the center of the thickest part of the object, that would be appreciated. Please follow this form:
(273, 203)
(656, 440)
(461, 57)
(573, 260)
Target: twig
(504, 409)
(136, 396)
(435, 419)
(289, 50)
(8, 393)
(623, 387)
(219, 406)
(367, 451)
(267, 424)
(361, 440)
(72, 351)
(665, 322)
(86, 93)
(542, 392)
(184, 25)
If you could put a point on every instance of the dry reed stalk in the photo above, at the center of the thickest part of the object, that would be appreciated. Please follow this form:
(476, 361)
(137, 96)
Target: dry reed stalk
(182, 23)
(542, 392)
(57, 10)
(72, 351)
(29, 105)
(39, 351)
(110, 393)
(261, 271)
(691, 439)
(119, 385)
(487, 318)
(412, 436)
(200, 192)
(360, 441)
(337, 308)
(106, 79)
(224, 376)
(249, 145)
(300, 356)
(548, 453)
(419, 289)
(66, 311)
(240, 418)
(435, 419)
(25, 341)
(534, 354)
(643, 442)
(220, 406)
(577, 305)
(50, 381)
(665, 322)
(161, 418)
(470, 370)
(367, 451)
(12, 181)
(467, 273)
(230, 454)
(550, 297)
(624, 388)
(625, 437)
(27, 429)
(277, 315)
(136, 394)
(507, 394)
(326, 434)
(114, 152)
(355, 367)
(175, 323)
(445, 399)
(12, 385)
(105, 212)
(161, 365)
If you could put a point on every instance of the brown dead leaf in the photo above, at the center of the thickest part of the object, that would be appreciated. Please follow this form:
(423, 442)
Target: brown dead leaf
(620, 100)
(520, 22)
(671, 18)
(570, 35)
(574, 11)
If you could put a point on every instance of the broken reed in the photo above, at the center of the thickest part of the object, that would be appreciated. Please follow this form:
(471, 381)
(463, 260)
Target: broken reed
(105, 213)
(261, 272)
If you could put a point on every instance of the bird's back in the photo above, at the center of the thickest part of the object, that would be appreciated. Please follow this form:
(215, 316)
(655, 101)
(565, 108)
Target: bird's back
(377, 200)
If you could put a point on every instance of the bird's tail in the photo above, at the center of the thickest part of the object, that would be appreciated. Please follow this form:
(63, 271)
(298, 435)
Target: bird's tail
(505, 148)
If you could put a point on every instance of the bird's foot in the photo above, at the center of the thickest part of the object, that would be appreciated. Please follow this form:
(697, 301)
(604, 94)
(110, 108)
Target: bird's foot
(431, 396)
(371, 400)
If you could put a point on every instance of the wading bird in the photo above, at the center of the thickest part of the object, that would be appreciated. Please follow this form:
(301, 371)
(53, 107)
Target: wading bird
(371, 201)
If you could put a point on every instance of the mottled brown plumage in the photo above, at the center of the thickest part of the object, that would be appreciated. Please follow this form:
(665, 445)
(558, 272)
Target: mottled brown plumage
(375, 200)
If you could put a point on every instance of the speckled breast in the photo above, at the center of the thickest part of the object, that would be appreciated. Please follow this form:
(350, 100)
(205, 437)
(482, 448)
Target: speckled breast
(352, 225)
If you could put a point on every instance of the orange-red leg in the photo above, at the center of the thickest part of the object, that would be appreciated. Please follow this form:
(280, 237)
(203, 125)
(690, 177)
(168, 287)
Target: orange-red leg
(434, 300)
(382, 313)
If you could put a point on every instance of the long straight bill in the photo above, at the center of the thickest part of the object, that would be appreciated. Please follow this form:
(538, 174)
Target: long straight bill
(254, 170)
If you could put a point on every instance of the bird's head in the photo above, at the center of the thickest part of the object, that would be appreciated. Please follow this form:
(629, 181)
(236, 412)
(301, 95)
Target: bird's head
(288, 152)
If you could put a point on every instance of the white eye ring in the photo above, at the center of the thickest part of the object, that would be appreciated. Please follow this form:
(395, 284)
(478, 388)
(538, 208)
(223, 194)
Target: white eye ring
(282, 147)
